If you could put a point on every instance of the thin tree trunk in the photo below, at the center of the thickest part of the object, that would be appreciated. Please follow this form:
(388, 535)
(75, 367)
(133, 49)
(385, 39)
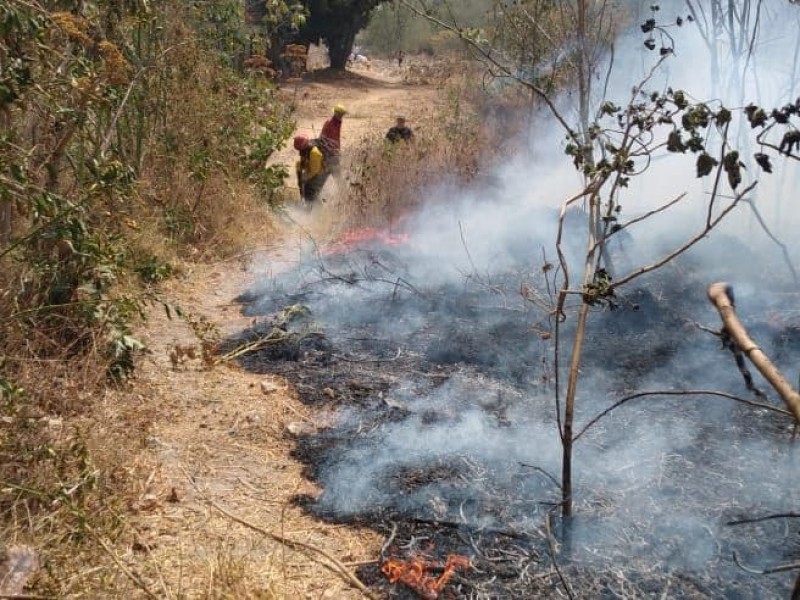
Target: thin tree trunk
(6, 205)
(569, 412)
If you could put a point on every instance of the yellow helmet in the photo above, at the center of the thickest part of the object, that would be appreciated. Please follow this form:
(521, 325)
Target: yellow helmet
(339, 109)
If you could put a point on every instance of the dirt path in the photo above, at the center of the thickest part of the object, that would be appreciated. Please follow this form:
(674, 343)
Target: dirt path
(224, 436)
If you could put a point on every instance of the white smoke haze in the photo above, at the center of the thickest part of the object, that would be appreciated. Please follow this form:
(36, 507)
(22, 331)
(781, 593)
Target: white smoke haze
(657, 479)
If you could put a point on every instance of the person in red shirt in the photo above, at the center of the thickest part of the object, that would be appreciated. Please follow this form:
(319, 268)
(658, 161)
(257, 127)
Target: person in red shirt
(331, 137)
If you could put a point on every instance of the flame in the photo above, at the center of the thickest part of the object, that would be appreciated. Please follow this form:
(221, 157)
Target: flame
(355, 237)
(413, 573)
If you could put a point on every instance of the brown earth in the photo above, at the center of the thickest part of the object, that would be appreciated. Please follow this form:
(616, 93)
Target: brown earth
(222, 436)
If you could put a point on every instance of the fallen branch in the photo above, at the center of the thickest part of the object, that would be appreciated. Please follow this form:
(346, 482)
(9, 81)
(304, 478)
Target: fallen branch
(790, 515)
(721, 296)
(369, 360)
(271, 338)
(769, 571)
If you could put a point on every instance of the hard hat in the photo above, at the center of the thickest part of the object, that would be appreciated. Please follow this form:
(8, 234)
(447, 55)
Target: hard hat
(339, 109)
(300, 142)
(401, 117)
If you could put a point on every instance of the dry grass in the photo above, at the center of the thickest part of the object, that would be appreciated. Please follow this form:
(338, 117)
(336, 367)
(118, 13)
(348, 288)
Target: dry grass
(111, 485)
(385, 182)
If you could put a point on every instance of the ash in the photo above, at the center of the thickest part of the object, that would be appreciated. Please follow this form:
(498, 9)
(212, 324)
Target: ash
(445, 437)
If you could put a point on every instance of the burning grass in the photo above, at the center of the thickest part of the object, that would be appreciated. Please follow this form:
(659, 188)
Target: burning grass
(415, 573)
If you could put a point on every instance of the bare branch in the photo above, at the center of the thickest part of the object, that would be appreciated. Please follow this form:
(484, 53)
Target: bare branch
(644, 217)
(487, 56)
(110, 130)
(691, 242)
(674, 393)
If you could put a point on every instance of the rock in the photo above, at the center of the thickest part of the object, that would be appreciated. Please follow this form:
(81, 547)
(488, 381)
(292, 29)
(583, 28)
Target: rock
(17, 564)
(269, 387)
(300, 428)
(392, 403)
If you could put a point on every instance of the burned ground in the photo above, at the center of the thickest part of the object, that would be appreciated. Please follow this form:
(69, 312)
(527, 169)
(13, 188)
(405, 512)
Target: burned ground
(445, 432)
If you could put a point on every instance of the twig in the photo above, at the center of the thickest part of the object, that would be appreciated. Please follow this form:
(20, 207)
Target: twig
(110, 130)
(267, 340)
(519, 535)
(466, 248)
(680, 393)
(779, 569)
(389, 540)
(639, 219)
(135, 578)
(790, 515)
(551, 547)
(369, 360)
(544, 472)
(334, 564)
(774, 238)
(686, 245)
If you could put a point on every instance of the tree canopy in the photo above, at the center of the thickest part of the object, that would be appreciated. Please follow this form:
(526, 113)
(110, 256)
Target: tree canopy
(337, 22)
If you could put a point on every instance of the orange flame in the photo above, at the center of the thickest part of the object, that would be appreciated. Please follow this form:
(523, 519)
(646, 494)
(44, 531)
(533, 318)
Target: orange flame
(355, 237)
(413, 573)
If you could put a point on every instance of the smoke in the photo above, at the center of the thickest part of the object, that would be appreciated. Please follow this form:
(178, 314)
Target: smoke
(462, 427)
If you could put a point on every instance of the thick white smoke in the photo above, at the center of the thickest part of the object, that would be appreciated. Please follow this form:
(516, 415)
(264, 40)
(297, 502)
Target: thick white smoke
(658, 478)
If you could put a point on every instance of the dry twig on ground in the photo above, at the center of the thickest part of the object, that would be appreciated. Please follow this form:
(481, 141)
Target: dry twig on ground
(313, 552)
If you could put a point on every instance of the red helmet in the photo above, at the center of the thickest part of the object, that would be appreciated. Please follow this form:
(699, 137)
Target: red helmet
(300, 142)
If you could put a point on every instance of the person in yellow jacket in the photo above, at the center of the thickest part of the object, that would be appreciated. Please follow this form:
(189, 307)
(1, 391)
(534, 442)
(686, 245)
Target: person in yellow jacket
(312, 172)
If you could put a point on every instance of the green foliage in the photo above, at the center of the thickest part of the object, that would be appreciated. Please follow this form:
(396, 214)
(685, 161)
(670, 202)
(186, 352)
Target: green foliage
(599, 291)
(106, 121)
(152, 269)
(615, 149)
(392, 26)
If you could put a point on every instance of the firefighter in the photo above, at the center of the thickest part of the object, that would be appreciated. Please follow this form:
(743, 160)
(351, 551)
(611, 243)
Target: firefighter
(311, 169)
(331, 137)
(400, 131)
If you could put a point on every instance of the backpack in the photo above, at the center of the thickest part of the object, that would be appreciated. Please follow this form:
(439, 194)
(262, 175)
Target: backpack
(320, 145)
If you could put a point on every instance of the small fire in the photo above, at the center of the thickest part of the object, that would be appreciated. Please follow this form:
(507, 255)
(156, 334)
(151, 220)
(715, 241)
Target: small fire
(413, 573)
(355, 237)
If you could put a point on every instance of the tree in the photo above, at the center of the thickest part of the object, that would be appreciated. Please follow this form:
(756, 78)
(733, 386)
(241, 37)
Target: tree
(337, 22)
(611, 145)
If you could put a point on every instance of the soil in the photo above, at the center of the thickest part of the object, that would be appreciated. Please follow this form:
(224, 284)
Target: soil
(222, 436)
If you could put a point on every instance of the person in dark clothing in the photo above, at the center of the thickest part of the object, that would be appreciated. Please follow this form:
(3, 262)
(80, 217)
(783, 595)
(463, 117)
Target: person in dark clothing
(400, 131)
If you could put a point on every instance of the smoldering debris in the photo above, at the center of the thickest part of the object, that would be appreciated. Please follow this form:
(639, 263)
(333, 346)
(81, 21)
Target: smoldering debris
(446, 427)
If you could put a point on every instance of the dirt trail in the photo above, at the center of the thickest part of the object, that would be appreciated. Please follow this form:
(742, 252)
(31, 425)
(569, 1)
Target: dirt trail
(223, 435)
